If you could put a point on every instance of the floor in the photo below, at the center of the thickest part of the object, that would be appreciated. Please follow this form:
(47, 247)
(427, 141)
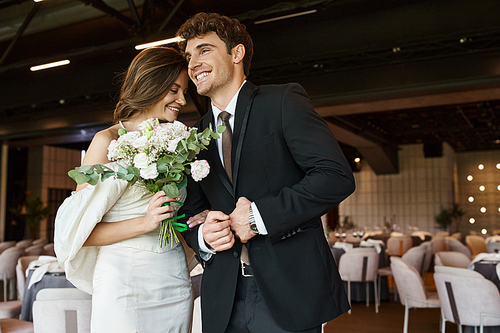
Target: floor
(390, 318)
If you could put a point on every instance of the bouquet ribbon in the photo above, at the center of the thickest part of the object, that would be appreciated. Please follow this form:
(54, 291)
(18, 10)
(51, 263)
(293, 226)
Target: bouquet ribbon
(168, 225)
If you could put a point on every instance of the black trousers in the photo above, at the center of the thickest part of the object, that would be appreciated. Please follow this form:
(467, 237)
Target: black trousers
(250, 313)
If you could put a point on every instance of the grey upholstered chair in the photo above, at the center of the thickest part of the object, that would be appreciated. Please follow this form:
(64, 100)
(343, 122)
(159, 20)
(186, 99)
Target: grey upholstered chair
(360, 265)
(467, 298)
(61, 310)
(455, 245)
(452, 259)
(411, 288)
(8, 261)
(6, 245)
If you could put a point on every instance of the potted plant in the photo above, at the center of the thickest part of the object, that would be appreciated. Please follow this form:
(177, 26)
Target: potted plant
(32, 212)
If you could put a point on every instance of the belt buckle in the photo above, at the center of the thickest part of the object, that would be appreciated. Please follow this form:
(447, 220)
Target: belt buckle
(243, 266)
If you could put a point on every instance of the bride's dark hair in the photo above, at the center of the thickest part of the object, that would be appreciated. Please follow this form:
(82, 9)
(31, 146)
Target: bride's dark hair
(147, 80)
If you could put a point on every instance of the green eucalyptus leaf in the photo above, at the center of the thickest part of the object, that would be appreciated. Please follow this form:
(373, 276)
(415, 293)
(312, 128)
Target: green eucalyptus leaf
(171, 190)
(78, 177)
(106, 175)
(182, 183)
(220, 129)
(88, 169)
(94, 178)
(99, 168)
(121, 169)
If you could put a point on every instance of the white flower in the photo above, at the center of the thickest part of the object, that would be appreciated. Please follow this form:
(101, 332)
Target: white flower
(141, 161)
(200, 169)
(150, 172)
(172, 144)
(140, 142)
(111, 150)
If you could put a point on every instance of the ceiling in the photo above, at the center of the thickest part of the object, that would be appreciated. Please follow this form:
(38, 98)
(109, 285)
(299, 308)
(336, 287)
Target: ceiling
(381, 73)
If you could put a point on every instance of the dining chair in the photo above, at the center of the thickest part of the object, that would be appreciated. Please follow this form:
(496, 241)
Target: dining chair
(62, 310)
(40, 241)
(452, 259)
(398, 245)
(441, 234)
(493, 247)
(476, 243)
(467, 298)
(414, 257)
(48, 250)
(24, 243)
(453, 244)
(438, 244)
(360, 265)
(33, 250)
(411, 289)
(21, 267)
(6, 245)
(8, 261)
(12, 325)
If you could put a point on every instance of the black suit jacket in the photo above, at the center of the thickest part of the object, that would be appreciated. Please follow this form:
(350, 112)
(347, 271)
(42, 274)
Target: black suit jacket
(286, 160)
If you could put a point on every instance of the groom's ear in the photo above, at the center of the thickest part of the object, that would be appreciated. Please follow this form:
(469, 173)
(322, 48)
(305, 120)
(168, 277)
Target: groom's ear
(238, 53)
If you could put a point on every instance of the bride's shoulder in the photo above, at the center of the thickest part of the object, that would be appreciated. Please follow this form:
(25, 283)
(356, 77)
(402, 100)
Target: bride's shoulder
(97, 153)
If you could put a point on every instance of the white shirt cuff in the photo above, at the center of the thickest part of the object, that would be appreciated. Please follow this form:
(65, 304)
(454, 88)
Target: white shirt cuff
(205, 252)
(258, 220)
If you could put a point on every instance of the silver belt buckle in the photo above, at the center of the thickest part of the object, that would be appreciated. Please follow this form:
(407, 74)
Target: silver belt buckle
(243, 270)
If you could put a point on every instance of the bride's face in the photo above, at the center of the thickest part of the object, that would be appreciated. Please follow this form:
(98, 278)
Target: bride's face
(168, 108)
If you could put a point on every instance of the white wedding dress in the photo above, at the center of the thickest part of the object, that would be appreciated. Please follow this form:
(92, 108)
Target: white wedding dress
(136, 285)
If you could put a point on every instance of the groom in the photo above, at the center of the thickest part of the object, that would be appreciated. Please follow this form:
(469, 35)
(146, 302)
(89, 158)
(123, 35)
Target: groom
(274, 172)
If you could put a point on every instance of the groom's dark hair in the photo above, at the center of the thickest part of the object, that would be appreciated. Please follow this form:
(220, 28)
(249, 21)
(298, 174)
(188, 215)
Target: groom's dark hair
(229, 30)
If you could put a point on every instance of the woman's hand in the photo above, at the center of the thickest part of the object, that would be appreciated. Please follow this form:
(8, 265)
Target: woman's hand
(157, 212)
(197, 219)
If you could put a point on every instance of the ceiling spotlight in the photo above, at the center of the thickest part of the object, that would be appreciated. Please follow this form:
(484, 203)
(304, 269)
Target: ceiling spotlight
(482, 188)
(484, 231)
(471, 199)
(480, 166)
(498, 187)
(498, 164)
(357, 160)
(470, 178)
(159, 42)
(472, 220)
(483, 210)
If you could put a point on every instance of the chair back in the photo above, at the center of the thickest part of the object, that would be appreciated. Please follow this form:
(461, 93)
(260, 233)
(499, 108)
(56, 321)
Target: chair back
(476, 243)
(59, 310)
(493, 247)
(33, 250)
(465, 294)
(452, 244)
(438, 244)
(427, 247)
(24, 243)
(408, 281)
(6, 245)
(452, 259)
(40, 241)
(415, 257)
(359, 265)
(8, 262)
(48, 250)
(398, 245)
(21, 267)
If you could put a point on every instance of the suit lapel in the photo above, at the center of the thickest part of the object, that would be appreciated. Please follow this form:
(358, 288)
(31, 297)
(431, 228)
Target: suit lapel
(213, 152)
(243, 107)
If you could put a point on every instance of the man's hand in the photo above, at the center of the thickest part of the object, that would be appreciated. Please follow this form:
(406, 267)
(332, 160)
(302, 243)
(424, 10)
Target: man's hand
(239, 220)
(217, 232)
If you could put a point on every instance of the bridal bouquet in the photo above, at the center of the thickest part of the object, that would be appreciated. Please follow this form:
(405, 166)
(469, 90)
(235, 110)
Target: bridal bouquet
(160, 156)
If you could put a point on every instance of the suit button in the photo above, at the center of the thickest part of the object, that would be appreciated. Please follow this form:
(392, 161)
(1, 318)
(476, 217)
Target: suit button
(236, 254)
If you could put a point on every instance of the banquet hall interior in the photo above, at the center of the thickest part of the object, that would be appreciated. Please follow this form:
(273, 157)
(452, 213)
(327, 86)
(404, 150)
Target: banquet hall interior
(410, 89)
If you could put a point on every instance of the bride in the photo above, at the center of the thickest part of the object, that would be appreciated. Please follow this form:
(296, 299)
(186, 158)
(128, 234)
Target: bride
(106, 236)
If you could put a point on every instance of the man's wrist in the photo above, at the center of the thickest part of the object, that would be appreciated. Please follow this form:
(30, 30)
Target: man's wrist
(251, 220)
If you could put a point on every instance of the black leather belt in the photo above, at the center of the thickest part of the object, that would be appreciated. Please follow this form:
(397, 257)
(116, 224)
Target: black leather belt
(246, 270)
